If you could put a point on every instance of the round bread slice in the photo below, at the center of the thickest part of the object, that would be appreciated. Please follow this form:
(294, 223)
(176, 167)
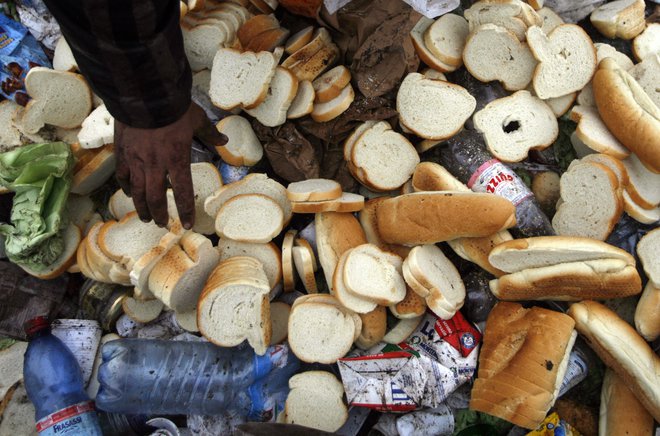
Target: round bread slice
(550, 19)
(71, 237)
(320, 333)
(303, 104)
(368, 152)
(267, 254)
(304, 243)
(494, 53)
(645, 44)
(346, 298)
(187, 320)
(614, 164)
(243, 147)
(642, 183)
(316, 401)
(120, 204)
(433, 109)
(445, 38)
(417, 37)
(353, 137)
(142, 311)
(327, 111)
(287, 261)
(348, 202)
(516, 124)
(594, 133)
(279, 317)
(282, 91)
(81, 261)
(314, 190)
(255, 26)
(370, 273)
(250, 218)
(298, 40)
(303, 262)
(330, 84)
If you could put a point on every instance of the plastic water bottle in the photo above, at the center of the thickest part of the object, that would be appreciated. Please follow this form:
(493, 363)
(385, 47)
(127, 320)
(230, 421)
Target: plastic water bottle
(54, 384)
(466, 157)
(142, 376)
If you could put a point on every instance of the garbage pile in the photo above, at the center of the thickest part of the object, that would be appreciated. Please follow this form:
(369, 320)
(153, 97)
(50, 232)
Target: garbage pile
(430, 218)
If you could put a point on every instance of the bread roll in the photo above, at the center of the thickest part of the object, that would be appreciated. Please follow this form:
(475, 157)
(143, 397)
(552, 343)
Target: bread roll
(647, 313)
(620, 411)
(622, 349)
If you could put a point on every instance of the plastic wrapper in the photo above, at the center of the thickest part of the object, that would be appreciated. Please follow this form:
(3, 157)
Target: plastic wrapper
(572, 11)
(19, 52)
(479, 300)
(374, 38)
(82, 337)
(428, 8)
(39, 22)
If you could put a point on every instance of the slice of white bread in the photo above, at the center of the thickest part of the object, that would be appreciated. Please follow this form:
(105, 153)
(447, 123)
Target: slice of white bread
(310, 68)
(559, 105)
(374, 275)
(288, 272)
(71, 238)
(59, 98)
(637, 212)
(313, 190)
(255, 183)
(356, 303)
(10, 136)
(520, 254)
(178, 278)
(493, 53)
(646, 74)
(320, 39)
(628, 112)
(316, 400)
(145, 264)
(389, 173)
(567, 60)
(622, 349)
(202, 41)
(550, 19)
(445, 38)
(586, 97)
(331, 109)
(335, 233)
(620, 19)
(279, 318)
(206, 181)
(353, 137)
(614, 164)
(643, 184)
(647, 313)
(63, 59)
(402, 330)
(302, 259)
(243, 147)
(439, 276)
(430, 217)
(83, 264)
(298, 40)
(187, 320)
(303, 104)
(570, 281)
(273, 110)
(434, 74)
(320, 332)
(302, 242)
(513, 125)
(645, 44)
(417, 37)
(513, 15)
(348, 202)
(241, 79)
(648, 250)
(94, 258)
(97, 129)
(433, 109)
(267, 254)
(329, 85)
(80, 209)
(98, 169)
(269, 40)
(127, 240)
(234, 306)
(11, 363)
(141, 311)
(256, 25)
(594, 133)
(591, 202)
(250, 218)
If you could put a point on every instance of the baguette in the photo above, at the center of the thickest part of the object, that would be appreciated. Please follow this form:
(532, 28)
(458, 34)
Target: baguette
(620, 411)
(430, 217)
(622, 349)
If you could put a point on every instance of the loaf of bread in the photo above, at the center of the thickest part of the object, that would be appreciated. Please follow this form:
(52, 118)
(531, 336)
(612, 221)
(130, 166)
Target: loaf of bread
(430, 217)
(622, 349)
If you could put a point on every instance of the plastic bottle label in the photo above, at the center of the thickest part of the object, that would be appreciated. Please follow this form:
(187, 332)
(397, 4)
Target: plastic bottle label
(576, 371)
(496, 178)
(78, 419)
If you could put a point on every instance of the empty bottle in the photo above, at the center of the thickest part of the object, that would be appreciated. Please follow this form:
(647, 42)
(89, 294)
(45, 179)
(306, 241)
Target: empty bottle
(156, 377)
(54, 384)
(466, 157)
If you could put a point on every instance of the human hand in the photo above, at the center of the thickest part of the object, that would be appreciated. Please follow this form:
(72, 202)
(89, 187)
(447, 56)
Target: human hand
(145, 159)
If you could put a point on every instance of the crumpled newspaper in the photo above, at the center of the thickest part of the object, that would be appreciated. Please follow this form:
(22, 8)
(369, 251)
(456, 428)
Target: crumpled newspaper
(41, 25)
(428, 8)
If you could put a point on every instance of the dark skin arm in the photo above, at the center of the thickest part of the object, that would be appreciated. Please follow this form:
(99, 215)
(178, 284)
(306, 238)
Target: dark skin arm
(147, 158)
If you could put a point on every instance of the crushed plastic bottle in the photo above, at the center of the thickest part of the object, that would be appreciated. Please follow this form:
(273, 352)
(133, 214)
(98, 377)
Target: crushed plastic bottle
(54, 385)
(156, 377)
